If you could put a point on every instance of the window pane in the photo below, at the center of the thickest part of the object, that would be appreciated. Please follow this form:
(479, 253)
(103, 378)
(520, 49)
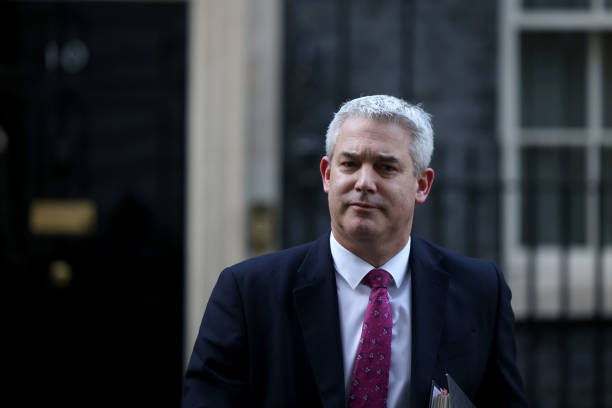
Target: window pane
(553, 195)
(606, 195)
(556, 4)
(553, 79)
(607, 44)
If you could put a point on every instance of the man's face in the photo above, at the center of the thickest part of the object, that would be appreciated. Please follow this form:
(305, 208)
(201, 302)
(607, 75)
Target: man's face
(371, 185)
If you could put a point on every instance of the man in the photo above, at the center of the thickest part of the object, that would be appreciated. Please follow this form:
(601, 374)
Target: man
(366, 315)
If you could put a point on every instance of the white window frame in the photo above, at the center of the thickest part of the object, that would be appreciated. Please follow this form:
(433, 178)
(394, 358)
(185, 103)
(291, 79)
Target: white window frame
(547, 259)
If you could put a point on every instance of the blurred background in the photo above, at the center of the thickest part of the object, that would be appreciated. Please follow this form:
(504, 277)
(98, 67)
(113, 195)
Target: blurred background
(144, 146)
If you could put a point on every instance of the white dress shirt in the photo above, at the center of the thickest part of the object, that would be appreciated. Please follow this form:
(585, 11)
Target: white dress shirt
(352, 301)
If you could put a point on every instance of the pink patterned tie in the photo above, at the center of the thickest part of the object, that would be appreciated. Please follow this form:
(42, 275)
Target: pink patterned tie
(371, 373)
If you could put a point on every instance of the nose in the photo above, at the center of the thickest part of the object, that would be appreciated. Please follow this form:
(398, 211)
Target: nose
(366, 180)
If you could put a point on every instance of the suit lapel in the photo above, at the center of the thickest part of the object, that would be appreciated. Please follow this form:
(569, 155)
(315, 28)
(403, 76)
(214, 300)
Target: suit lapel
(316, 302)
(429, 289)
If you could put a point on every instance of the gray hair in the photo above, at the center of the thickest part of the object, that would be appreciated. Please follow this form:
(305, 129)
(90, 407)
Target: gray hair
(386, 108)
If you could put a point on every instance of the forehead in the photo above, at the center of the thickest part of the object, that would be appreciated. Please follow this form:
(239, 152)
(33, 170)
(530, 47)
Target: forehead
(358, 134)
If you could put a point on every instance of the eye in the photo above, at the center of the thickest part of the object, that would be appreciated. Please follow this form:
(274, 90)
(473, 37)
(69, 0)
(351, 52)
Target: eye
(387, 168)
(348, 164)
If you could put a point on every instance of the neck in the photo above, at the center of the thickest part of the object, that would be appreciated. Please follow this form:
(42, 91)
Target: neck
(376, 252)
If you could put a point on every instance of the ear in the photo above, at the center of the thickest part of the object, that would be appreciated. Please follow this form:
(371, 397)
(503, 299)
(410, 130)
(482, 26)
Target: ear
(424, 182)
(325, 168)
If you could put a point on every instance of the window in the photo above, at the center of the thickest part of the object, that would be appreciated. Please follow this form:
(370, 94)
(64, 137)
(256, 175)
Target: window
(555, 4)
(553, 196)
(556, 137)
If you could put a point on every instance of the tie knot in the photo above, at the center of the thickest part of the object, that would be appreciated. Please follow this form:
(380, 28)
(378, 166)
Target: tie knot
(377, 278)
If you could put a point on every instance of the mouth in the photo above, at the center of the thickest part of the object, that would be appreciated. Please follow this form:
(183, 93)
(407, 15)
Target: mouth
(362, 205)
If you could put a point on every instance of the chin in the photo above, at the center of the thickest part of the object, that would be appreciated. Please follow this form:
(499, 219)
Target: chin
(363, 232)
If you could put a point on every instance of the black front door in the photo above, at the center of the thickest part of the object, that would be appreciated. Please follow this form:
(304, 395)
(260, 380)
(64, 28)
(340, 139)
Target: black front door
(91, 198)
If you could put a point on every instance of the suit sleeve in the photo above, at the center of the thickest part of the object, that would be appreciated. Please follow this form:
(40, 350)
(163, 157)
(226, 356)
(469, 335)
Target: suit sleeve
(217, 372)
(502, 385)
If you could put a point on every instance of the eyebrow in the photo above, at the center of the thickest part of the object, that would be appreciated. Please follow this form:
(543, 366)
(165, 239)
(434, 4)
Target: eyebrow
(349, 155)
(387, 158)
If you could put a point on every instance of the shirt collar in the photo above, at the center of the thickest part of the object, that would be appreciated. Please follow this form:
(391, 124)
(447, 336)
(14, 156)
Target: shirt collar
(353, 269)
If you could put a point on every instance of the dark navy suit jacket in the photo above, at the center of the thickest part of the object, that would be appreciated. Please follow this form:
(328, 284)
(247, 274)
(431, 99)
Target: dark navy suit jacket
(270, 336)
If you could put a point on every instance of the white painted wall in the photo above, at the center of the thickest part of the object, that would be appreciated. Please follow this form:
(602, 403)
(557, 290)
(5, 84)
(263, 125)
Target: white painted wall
(233, 150)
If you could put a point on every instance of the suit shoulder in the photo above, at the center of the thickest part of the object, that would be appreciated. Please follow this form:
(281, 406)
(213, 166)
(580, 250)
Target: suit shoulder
(449, 256)
(289, 258)
(471, 271)
(475, 279)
